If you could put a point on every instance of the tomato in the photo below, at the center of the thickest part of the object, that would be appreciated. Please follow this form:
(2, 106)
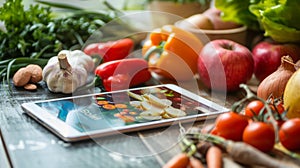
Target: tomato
(230, 126)
(280, 108)
(278, 113)
(280, 122)
(260, 135)
(214, 131)
(289, 134)
(253, 108)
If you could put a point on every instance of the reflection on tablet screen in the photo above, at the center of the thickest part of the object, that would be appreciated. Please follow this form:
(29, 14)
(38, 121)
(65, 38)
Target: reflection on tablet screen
(113, 110)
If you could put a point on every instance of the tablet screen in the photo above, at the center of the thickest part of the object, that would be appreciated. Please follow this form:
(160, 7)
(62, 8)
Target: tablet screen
(119, 109)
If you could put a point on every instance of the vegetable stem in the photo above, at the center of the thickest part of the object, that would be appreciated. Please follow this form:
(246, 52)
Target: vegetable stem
(154, 49)
(188, 146)
(251, 96)
(63, 62)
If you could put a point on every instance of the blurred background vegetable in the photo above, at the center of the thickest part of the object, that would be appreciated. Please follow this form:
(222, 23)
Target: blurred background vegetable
(110, 50)
(278, 19)
(238, 12)
(35, 34)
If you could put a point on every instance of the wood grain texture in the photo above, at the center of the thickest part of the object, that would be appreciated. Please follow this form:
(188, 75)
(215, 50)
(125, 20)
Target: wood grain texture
(4, 159)
(31, 145)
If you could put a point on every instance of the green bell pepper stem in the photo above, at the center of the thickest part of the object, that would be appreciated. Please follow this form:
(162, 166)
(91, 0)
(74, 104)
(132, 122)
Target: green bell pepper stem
(155, 49)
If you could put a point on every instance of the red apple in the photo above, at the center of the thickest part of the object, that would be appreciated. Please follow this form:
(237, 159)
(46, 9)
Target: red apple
(267, 57)
(224, 65)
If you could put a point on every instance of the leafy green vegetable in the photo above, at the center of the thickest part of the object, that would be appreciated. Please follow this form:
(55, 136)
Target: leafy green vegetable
(280, 19)
(283, 10)
(35, 34)
(237, 11)
(204, 2)
(23, 29)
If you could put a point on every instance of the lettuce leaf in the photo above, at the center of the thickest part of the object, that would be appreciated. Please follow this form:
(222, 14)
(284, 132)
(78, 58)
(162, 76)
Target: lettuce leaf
(280, 32)
(279, 18)
(284, 12)
(238, 12)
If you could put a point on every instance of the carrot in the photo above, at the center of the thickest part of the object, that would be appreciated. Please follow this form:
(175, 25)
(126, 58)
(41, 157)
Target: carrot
(202, 147)
(178, 161)
(214, 157)
(244, 153)
(195, 163)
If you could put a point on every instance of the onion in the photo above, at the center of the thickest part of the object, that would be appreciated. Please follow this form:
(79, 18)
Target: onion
(274, 84)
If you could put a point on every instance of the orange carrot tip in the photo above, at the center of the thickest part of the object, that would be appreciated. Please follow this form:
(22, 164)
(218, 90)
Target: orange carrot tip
(178, 161)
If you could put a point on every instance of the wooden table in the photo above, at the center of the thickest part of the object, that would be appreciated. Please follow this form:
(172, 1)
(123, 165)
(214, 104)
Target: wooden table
(25, 143)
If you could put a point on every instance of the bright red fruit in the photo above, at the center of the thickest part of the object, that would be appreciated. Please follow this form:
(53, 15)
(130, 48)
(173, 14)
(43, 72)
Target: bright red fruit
(260, 135)
(224, 64)
(289, 134)
(230, 125)
(267, 57)
(254, 108)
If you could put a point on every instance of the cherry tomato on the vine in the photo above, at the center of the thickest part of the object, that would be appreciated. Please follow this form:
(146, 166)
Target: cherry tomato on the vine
(280, 108)
(260, 135)
(278, 113)
(230, 125)
(289, 134)
(214, 131)
(280, 122)
(253, 108)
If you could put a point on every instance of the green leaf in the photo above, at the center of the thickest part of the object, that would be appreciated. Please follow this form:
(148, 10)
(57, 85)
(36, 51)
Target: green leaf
(286, 14)
(59, 5)
(279, 19)
(238, 11)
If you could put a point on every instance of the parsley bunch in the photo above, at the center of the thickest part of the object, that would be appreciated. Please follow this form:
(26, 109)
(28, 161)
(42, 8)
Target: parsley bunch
(34, 35)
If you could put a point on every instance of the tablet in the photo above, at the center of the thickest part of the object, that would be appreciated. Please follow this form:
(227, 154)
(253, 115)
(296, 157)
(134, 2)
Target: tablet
(101, 114)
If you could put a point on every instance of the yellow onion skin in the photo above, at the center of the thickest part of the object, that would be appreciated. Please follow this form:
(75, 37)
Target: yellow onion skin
(274, 84)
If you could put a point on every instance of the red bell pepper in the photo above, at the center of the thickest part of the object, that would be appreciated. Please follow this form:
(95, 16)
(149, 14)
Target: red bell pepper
(123, 74)
(111, 50)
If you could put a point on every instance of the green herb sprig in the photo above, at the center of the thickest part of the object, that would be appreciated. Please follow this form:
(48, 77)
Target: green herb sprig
(34, 35)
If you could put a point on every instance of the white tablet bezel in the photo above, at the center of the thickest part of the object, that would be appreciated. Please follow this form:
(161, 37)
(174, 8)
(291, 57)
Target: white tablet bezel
(70, 134)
